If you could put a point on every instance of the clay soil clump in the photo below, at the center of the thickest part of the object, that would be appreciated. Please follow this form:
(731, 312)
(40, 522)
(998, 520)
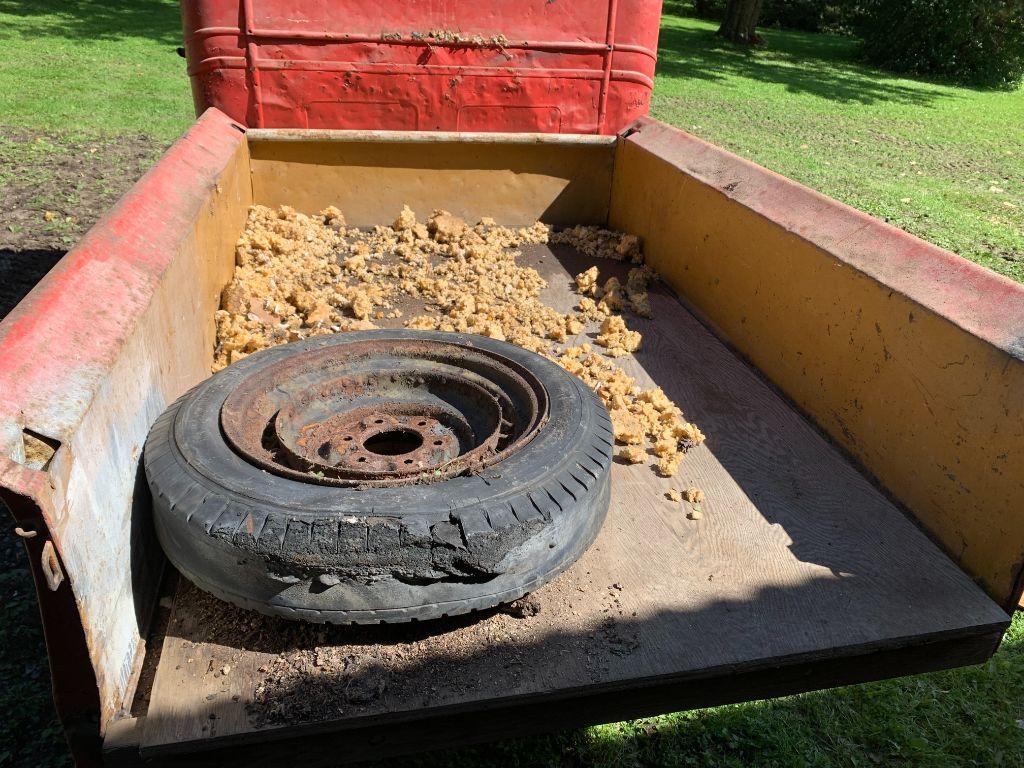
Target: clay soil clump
(299, 276)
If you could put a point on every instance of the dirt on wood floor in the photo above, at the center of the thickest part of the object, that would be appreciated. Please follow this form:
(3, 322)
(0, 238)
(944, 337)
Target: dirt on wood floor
(304, 275)
(290, 672)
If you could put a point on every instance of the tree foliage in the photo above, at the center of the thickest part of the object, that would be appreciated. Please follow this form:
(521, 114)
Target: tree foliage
(973, 42)
(807, 15)
(978, 42)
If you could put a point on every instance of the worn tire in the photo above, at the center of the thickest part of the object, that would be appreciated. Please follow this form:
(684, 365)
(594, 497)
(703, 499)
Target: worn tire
(382, 554)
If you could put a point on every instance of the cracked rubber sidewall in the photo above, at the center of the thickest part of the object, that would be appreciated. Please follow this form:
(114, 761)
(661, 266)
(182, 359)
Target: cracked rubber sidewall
(263, 541)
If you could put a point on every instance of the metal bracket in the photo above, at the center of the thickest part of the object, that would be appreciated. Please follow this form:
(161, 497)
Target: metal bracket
(51, 567)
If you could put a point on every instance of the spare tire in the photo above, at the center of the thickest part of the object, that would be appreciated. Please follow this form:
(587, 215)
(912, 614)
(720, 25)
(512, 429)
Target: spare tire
(380, 476)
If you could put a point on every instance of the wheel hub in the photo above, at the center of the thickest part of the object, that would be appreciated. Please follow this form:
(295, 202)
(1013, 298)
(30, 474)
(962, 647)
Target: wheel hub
(385, 412)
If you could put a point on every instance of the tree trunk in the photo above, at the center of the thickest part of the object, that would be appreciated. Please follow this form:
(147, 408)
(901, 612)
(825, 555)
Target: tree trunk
(740, 22)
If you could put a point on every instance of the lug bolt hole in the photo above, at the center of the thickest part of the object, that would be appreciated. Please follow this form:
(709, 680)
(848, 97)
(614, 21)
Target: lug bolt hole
(394, 442)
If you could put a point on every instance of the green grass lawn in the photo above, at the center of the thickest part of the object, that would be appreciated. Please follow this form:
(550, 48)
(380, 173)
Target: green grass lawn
(93, 67)
(943, 162)
(966, 717)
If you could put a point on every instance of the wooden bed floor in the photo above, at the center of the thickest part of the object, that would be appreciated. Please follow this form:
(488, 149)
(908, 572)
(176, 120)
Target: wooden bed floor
(801, 574)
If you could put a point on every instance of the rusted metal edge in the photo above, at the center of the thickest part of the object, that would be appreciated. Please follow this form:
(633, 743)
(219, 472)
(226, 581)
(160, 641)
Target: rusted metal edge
(558, 46)
(26, 493)
(52, 356)
(973, 298)
(256, 135)
(57, 348)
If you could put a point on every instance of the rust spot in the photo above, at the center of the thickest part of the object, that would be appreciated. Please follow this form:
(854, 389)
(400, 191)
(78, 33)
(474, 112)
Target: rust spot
(383, 412)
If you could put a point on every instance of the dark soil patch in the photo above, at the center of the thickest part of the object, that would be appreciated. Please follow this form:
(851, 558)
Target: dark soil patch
(52, 189)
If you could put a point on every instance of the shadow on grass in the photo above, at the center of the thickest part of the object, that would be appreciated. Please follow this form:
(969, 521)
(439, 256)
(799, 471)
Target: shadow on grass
(967, 716)
(158, 20)
(817, 64)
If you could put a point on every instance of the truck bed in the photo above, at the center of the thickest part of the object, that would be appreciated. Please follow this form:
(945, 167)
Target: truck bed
(801, 574)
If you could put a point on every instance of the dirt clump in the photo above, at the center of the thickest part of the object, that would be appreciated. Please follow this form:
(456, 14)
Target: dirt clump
(616, 338)
(522, 608)
(694, 495)
(601, 243)
(300, 275)
(586, 282)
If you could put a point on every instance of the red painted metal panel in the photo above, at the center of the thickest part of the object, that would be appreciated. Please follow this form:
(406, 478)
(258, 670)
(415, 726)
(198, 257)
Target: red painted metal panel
(77, 367)
(552, 66)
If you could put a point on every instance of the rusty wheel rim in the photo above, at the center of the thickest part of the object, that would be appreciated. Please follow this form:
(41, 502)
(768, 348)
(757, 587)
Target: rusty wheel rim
(383, 412)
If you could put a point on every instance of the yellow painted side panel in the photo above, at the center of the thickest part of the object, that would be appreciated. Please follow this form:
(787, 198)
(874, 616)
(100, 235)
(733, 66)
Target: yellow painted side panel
(932, 410)
(370, 181)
